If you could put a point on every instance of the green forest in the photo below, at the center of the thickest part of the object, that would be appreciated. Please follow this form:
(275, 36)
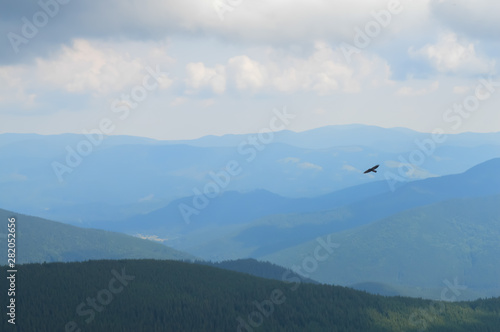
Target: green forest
(162, 295)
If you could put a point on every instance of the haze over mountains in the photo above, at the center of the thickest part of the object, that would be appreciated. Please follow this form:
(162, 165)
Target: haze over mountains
(237, 225)
(124, 176)
(400, 231)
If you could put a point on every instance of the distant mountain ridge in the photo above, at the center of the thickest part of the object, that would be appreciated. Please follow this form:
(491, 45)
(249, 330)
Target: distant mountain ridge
(124, 176)
(265, 235)
(233, 207)
(396, 139)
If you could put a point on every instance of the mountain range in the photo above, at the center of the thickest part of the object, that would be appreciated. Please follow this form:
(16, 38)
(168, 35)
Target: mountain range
(436, 224)
(224, 231)
(86, 178)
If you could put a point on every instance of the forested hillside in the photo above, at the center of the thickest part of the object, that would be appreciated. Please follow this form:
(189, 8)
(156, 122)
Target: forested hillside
(151, 295)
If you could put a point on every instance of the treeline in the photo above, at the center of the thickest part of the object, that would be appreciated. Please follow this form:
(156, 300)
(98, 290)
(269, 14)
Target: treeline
(154, 295)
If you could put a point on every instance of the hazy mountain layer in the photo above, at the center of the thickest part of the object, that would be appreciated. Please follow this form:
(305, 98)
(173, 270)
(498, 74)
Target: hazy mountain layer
(41, 240)
(81, 178)
(276, 232)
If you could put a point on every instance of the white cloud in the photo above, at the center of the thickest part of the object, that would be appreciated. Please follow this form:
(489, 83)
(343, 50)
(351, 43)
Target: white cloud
(303, 165)
(199, 76)
(324, 72)
(13, 91)
(306, 165)
(85, 67)
(88, 68)
(247, 73)
(292, 160)
(260, 56)
(147, 198)
(82, 68)
(410, 91)
(451, 55)
(409, 170)
(13, 177)
(350, 168)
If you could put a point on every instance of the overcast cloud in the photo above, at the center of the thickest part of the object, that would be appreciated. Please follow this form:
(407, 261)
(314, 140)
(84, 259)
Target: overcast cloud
(222, 66)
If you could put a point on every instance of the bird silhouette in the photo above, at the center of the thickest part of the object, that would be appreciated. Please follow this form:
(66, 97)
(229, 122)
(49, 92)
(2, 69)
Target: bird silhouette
(373, 169)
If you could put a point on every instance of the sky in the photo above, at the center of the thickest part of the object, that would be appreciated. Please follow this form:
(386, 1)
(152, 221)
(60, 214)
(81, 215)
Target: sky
(182, 69)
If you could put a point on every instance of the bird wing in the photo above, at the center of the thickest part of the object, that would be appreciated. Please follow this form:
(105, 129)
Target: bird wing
(371, 169)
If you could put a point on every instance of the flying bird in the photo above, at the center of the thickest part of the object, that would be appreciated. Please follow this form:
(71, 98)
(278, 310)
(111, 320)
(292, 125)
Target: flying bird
(373, 169)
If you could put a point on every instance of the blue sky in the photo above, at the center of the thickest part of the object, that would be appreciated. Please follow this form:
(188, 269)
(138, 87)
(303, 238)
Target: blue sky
(194, 68)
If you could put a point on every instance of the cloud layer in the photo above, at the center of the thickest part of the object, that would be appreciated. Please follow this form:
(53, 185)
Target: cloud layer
(388, 63)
